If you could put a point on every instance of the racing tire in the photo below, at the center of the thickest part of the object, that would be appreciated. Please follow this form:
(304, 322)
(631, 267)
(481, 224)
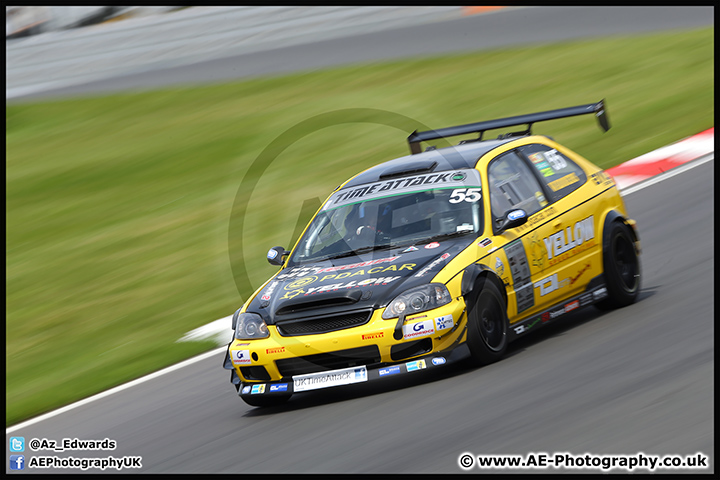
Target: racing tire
(261, 401)
(487, 326)
(621, 266)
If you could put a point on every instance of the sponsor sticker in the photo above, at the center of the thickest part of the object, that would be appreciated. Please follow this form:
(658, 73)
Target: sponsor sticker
(270, 289)
(297, 273)
(515, 214)
(271, 351)
(520, 271)
(444, 322)
(432, 265)
(520, 329)
(333, 378)
(358, 265)
(256, 389)
(499, 267)
(536, 157)
(416, 365)
(389, 371)
(411, 248)
(557, 161)
(572, 306)
(246, 389)
(541, 199)
(563, 182)
(432, 245)
(373, 336)
(419, 329)
(292, 294)
(550, 283)
(272, 254)
(600, 293)
(368, 282)
(438, 360)
(280, 387)
(301, 282)
(566, 243)
(485, 242)
(602, 178)
(574, 279)
(240, 357)
(416, 183)
(586, 299)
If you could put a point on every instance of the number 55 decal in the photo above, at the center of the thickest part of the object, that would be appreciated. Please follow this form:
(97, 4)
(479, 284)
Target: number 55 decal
(459, 194)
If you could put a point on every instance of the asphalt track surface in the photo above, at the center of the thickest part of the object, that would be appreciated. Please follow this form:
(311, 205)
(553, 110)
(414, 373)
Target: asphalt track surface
(638, 379)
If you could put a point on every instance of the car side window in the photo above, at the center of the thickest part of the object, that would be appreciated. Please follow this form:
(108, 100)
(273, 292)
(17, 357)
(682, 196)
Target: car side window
(561, 175)
(512, 186)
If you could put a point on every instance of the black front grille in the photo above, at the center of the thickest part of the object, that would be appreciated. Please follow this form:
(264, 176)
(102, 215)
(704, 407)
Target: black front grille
(329, 361)
(331, 323)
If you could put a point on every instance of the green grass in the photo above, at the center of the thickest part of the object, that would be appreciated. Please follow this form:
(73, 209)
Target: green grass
(119, 208)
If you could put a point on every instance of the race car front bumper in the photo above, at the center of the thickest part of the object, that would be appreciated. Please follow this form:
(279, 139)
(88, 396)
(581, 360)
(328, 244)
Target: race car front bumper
(349, 376)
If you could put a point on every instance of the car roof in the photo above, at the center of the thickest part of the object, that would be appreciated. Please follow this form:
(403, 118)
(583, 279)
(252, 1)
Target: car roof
(454, 157)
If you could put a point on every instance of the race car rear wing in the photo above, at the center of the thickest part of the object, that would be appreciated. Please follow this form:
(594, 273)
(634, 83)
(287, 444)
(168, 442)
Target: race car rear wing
(480, 127)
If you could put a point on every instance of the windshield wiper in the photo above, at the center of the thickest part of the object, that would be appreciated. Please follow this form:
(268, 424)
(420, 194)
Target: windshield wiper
(451, 234)
(360, 251)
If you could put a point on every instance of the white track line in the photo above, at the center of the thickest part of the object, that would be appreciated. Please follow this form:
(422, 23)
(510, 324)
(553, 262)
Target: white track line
(120, 388)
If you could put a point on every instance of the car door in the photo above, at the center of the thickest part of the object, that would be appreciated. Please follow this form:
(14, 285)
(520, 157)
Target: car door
(568, 239)
(513, 185)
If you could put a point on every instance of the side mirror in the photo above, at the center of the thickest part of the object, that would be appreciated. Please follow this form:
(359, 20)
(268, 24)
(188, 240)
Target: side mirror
(275, 255)
(513, 218)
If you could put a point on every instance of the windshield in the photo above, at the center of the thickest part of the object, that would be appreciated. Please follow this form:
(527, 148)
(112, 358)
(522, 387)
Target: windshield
(393, 213)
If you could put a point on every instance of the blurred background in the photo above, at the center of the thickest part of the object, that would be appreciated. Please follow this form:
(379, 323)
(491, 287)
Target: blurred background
(135, 135)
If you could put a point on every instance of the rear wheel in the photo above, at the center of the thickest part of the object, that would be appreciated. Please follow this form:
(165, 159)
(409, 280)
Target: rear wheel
(622, 268)
(487, 326)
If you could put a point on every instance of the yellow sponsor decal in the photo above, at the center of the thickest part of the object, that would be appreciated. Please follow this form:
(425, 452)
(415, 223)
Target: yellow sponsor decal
(563, 182)
(362, 273)
(301, 282)
(292, 294)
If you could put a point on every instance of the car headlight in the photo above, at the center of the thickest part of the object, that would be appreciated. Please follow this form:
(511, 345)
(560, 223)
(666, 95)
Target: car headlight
(418, 299)
(249, 326)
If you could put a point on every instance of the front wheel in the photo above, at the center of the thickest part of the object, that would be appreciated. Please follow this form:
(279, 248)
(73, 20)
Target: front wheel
(487, 326)
(622, 268)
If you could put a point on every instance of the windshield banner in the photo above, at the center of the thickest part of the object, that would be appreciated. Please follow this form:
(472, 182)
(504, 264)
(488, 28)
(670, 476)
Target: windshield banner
(386, 188)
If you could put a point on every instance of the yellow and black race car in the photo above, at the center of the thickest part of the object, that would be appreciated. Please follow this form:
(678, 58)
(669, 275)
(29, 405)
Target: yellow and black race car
(437, 256)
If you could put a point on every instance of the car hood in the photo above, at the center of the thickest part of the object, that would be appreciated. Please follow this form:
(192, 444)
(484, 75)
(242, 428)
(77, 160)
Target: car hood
(359, 282)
